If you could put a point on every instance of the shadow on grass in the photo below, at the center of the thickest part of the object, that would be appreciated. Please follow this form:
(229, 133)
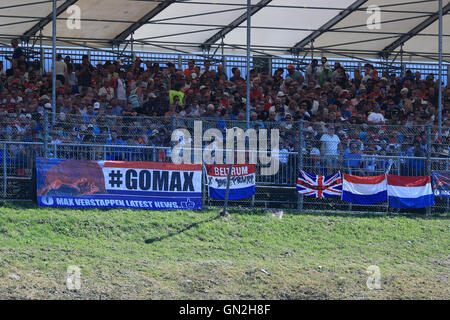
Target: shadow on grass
(419, 214)
(180, 231)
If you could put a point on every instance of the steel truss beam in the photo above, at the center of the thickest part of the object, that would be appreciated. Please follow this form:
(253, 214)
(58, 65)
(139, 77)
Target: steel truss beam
(237, 22)
(327, 26)
(413, 32)
(42, 23)
(131, 29)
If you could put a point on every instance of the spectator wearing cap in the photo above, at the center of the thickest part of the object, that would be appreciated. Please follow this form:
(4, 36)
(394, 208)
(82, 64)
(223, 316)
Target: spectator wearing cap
(324, 65)
(90, 112)
(295, 75)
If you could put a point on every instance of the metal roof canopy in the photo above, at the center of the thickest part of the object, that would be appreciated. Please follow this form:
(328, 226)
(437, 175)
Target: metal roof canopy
(279, 27)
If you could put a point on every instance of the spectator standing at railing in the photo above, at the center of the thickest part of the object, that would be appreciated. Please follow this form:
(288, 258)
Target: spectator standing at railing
(84, 73)
(18, 56)
(353, 159)
(236, 75)
(325, 74)
(293, 74)
(61, 69)
(312, 71)
(330, 147)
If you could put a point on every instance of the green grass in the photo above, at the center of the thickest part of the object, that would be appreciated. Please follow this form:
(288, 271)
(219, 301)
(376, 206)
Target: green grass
(130, 254)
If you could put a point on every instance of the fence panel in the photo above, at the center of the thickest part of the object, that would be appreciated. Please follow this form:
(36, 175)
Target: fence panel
(363, 150)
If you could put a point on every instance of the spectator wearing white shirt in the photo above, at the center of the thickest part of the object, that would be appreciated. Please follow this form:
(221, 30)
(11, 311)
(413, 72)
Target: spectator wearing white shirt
(330, 148)
(107, 90)
(376, 117)
(61, 69)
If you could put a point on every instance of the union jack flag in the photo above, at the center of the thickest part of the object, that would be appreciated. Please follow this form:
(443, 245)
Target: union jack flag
(319, 186)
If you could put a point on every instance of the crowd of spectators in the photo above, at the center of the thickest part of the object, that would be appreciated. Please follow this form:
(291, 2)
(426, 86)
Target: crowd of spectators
(345, 119)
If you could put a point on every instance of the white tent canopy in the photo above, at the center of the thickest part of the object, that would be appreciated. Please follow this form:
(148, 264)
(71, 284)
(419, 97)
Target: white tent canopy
(279, 27)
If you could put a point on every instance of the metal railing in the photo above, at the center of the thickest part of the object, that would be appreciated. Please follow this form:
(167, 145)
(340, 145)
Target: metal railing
(299, 149)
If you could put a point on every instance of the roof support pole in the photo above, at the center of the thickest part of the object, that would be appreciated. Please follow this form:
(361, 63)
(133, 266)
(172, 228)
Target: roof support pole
(54, 65)
(41, 50)
(440, 71)
(249, 24)
(133, 56)
(401, 62)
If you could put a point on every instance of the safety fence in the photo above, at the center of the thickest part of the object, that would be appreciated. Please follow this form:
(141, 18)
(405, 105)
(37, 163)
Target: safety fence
(277, 190)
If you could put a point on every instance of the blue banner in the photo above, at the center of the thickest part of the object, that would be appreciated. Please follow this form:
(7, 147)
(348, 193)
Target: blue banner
(118, 184)
(441, 184)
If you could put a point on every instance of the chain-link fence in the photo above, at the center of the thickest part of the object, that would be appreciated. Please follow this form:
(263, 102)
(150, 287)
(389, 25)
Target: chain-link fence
(317, 148)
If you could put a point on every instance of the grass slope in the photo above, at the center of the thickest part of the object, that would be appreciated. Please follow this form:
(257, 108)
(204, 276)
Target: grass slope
(197, 255)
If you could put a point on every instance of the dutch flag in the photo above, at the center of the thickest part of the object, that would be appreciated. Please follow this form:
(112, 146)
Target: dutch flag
(410, 192)
(242, 181)
(364, 190)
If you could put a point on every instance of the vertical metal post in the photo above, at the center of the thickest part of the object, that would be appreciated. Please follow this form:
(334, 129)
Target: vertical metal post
(174, 123)
(448, 74)
(180, 62)
(225, 206)
(440, 70)
(224, 63)
(42, 51)
(204, 179)
(46, 134)
(402, 66)
(132, 48)
(4, 170)
(300, 162)
(248, 60)
(429, 157)
(223, 56)
(54, 65)
(448, 198)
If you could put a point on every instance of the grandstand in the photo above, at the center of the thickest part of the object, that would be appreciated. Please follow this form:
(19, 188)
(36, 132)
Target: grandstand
(134, 71)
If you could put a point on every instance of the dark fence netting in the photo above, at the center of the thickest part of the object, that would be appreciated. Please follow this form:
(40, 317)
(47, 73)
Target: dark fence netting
(362, 150)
